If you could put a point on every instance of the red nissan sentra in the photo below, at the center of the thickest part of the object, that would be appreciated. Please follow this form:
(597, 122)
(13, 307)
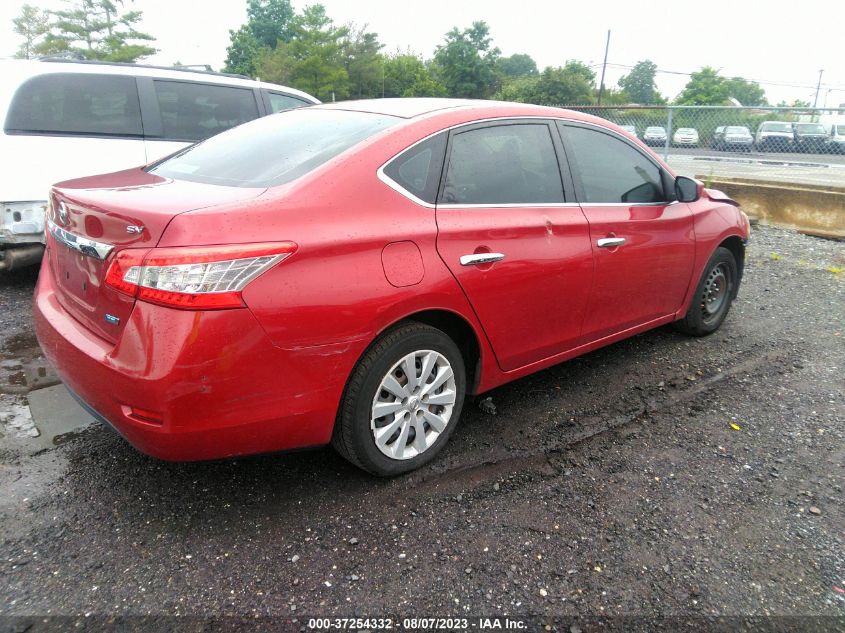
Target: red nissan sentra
(349, 273)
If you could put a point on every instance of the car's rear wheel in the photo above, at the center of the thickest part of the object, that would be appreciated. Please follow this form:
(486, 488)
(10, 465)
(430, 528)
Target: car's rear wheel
(402, 401)
(713, 295)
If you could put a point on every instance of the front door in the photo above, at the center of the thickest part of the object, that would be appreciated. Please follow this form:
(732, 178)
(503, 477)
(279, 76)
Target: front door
(520, 251)
(644, 243)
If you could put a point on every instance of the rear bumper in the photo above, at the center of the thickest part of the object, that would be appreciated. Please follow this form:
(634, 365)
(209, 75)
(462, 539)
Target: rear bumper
(214, 383)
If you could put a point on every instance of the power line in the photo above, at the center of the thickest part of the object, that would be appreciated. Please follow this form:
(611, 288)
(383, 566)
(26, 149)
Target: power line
(758, 81)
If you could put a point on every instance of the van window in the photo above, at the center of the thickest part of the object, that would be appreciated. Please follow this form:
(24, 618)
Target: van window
(192, 111)
(280, 102)
(76, 104)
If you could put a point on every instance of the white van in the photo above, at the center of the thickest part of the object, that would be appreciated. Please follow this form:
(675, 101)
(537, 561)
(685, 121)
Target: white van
(65, 119)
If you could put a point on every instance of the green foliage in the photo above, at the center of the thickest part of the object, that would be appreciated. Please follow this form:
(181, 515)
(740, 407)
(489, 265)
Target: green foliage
(640, 85)
(32, 25)
(567, 85)
(466, 62)
(406, 75)
(313, 60)
(748, 93)
(517, 65)
(95, 29)
(707, 87)
(363, 62)
(242, 53)
(269, 21)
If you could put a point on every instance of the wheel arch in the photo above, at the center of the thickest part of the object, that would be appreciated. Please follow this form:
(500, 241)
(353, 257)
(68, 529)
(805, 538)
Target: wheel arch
(460, 331)
(736, 246)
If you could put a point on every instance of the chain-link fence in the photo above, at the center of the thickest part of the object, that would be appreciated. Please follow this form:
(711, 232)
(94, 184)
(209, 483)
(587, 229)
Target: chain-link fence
(793, 145)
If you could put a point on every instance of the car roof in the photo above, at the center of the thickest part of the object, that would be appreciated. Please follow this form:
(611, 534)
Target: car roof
(15, 71)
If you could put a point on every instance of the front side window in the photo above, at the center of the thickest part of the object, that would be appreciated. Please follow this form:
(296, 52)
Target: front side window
(76, 104)
(192, 111)
(610, 170)
(503, 164)
(280, 102)
(274, 149)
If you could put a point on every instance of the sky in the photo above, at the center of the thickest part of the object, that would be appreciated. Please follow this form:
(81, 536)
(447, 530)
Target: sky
(783, 48)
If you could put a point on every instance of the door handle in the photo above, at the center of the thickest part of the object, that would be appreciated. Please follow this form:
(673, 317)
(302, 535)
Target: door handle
(481, 258)
(610, 242)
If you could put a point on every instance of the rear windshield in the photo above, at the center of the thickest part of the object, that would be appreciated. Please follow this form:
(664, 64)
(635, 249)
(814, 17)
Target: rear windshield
(273, 150)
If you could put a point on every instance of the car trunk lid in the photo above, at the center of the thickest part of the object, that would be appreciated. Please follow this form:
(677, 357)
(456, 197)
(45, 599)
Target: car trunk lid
(91, 220)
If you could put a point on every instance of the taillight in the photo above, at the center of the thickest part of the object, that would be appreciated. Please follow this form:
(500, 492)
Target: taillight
(194, 277)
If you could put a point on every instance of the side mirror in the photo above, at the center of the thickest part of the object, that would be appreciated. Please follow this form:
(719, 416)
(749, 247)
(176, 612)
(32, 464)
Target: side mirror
(687, 189)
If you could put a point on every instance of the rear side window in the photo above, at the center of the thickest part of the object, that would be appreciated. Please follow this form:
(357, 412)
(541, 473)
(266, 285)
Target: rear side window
(274, 149)
(418, 169)
(192, 111)
(610, 170)
(279, 102)
(76, 104)
(503, 164)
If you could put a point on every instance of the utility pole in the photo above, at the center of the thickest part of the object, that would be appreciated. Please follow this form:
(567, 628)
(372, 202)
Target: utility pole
(818, 87)
(604, 66)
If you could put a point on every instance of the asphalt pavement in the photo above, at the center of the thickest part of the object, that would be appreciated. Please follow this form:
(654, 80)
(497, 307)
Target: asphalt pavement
(660, 477)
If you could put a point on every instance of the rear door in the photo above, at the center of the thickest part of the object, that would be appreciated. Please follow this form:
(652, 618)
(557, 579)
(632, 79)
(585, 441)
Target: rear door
(644, 243)
(180, 113)
(518, 246)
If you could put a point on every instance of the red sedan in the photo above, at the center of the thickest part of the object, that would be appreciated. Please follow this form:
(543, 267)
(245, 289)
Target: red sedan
(349, 273)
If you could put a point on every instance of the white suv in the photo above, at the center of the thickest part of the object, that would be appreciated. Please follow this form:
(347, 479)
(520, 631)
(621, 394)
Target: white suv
(65, 119)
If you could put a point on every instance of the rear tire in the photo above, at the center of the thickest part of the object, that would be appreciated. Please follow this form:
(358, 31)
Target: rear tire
(412, 430)
(713, 296)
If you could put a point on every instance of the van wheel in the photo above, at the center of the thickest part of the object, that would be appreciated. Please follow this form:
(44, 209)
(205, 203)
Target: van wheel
(713, 296)
(402, 402)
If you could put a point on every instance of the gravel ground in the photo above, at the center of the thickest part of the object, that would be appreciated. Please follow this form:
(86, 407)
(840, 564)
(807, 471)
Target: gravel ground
(661, 476)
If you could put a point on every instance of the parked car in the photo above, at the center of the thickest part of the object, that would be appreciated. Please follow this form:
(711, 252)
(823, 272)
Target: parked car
(836, 138)
(64, 119)
(630, 129)
(655, 135)
(686, 137)
(311, 277)
(774, 136)
(810, 137)
(733, 137)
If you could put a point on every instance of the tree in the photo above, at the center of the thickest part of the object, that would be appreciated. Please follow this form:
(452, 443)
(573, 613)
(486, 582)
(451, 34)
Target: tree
(32, 24)
(705, 87)
(95, 29)
(269, 21)
(363, 62)
(572, 84)
(466, 62)
(313, 59)
(748, 93)
(640, 85)
(242, 53)
(517, 65)
(406, 75)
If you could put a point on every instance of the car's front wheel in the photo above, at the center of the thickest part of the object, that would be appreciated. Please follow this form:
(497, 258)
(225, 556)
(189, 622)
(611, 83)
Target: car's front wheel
(713, 295)
(402, 401)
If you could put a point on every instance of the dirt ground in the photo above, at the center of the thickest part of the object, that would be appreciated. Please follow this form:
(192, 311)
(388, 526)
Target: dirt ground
(659, 477)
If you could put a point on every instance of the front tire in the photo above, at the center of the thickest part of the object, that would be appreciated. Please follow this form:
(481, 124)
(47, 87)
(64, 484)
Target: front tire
(713, 296)
(402, 401)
